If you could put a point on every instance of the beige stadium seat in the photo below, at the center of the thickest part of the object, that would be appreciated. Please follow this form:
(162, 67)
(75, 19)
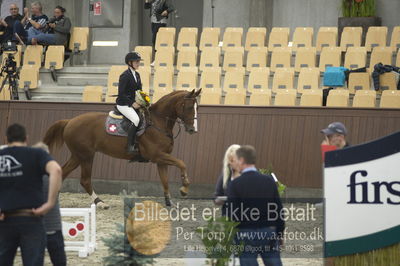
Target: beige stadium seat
(146, 52)
(351, 37)
(211, 96)
(332, 29)
(231, 39)
(356, 57)
(168, 29)
(187, 79)
(302, 37)
(233, 80)
(388, 81)
(285, 98)
(54, 57)
(281, 57)
(235, 97)
(145, 75)
(233, 58)
(258, 79)
(326, 38)
(187, 57)
(187, 38)
(33, 55)
(28, 77)
(209, 38)
(210, 58)
(211, 79)
(278, 37)
(260, 97)
(164, 39)
(283, 80)
(395, 39)
(255, 37)
(390, 99)
(113, 76)
(398, 59)
(308, 80)
(330, 57)
(359, 81)
(311, 98)
(256, 58)
(365, 98)
(380, 55)
(163, 79)
(338, 98)
(305, 58)
(234, 29)
(159, 93)
(376, 37)
(79, 39)
(92, 94)
(164, 57)
(4, 94)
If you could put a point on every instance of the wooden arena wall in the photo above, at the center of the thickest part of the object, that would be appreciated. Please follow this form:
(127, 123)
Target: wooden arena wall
(288, 138)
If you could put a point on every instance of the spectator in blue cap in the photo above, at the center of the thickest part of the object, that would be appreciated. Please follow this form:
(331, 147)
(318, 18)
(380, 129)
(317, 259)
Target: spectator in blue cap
(335, 135)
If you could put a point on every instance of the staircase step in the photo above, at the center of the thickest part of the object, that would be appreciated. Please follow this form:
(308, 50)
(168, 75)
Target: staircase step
(81, 79)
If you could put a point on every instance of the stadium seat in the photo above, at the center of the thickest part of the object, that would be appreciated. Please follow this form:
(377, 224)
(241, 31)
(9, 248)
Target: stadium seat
(278, 37)
(398, 59)
(308, 80)
(281, 57)
(165, 39)
(168, 29)
(113, 76)
(255, 37)
(211, 96)
(338, 98)
(33, 55)
(256, 58)
(231, 39)
(390, 99)
(187, 38)
(359, 81)
(351, 37)
(260, 97)
(146, 52)
(92, 94)
(79, 39)
(235, 97)
(187, 57)
(330, 57)
(159, 93)
(145, 75)
(211, 79)
(376, 37)
(302, 37)
(365, 98)
(234, 29)
(209, 38)
(356, 57)
(28, 77)
(388, 81)
(286, 97)
(234, 80)
(4, 94)
(258, 79)
(305, 58)
(210, 57)
(187, 78)
(233, 58)
(283, 80)
(326, 37)
(163, 80)
(54, 57)
(311, 98)
(395, 39)
(380, 55)
(164, 57)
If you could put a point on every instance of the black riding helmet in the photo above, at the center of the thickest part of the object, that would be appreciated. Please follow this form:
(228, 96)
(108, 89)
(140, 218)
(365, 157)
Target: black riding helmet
(132, 56)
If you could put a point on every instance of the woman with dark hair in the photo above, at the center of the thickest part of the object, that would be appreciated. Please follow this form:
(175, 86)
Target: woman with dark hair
(58, 29)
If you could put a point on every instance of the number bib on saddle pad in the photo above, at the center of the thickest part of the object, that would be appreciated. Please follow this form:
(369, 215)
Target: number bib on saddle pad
(118, 125)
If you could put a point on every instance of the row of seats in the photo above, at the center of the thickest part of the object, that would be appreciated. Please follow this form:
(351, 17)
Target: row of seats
(278, 37)
(355, 57)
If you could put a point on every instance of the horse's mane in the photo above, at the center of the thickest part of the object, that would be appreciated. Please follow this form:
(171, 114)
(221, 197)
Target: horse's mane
(167, 98)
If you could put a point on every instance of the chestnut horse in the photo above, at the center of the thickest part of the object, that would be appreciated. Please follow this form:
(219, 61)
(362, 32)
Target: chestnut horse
(85, 135)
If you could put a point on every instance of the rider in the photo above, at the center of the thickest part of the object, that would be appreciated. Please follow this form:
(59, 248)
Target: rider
(129, 83)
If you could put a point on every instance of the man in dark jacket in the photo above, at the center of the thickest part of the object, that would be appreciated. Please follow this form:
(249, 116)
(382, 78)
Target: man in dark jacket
(7, 25)
(159, 11)
(252, 197)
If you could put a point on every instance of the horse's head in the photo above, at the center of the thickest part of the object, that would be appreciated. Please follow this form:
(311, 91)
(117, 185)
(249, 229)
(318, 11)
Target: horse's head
(187, 110)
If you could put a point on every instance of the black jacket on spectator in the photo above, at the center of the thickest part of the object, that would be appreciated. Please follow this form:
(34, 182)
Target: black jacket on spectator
(8, 31)
(380, 69)
(164, 5)
(127, 88)
(62, 29)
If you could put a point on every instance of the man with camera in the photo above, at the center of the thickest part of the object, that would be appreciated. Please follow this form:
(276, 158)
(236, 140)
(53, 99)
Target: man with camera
(7, 24)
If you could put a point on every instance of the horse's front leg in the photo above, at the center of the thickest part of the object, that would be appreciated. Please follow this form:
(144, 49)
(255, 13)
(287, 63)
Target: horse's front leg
(165, 158)
(163, 173)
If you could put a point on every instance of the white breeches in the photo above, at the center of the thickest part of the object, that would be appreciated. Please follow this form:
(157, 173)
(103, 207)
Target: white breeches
(129, 113)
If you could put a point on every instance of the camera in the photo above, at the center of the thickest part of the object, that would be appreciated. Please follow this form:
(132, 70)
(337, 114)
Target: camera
(9, 47)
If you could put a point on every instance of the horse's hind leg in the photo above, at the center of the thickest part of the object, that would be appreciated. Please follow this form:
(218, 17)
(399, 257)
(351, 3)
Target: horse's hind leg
(70, 166)
(163, 172)
(86, 182)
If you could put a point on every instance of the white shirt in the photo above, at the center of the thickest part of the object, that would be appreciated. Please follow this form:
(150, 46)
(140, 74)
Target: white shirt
(133, 73)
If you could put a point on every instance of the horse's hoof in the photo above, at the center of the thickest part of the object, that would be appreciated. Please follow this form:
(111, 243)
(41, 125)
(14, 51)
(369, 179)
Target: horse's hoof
(184, 191)
(102, 205)
(168, 202)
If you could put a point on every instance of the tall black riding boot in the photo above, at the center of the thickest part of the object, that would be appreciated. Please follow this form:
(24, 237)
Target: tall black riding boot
(131, 139)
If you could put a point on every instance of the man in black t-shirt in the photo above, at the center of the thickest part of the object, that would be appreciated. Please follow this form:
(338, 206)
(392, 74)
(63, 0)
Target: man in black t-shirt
(7, 25)
(22, 204)
(34, 21)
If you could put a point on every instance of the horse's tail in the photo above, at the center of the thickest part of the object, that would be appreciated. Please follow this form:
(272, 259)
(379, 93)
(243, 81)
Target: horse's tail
(54, 136)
